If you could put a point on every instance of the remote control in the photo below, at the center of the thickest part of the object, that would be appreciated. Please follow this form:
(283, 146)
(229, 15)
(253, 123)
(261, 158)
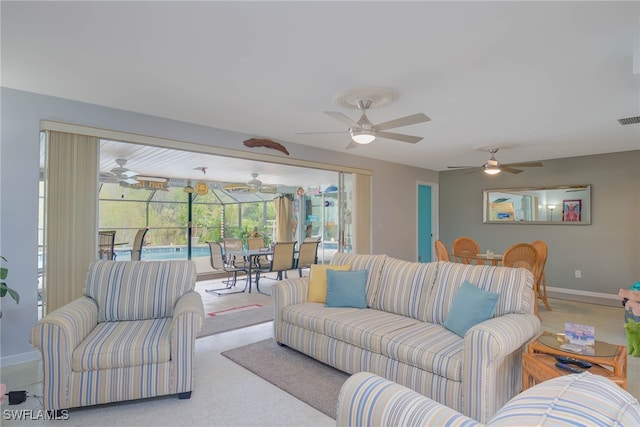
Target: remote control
(571, 361)
(569, 368)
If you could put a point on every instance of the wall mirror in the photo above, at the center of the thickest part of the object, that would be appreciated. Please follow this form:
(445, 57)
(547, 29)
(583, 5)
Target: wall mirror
(562, 204)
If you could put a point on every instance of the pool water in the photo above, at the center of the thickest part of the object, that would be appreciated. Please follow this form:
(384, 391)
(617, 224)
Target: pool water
(165, 252)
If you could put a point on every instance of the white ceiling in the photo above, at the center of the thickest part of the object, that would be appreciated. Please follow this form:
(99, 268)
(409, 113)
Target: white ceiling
(548, 79)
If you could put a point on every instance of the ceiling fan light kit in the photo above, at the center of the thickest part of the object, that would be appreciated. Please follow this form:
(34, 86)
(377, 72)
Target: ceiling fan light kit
(362, 136)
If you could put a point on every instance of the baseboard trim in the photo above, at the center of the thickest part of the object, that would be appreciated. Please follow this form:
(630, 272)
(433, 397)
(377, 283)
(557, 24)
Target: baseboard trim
(584, 296)
(16, 359)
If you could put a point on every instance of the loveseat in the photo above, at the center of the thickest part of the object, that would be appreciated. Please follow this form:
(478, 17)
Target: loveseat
(131, 336)
(571, 400)
(400, 335)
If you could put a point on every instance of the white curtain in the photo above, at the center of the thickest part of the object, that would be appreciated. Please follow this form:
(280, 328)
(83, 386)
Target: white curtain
(361, 214)
(284, 225)
(71, 193)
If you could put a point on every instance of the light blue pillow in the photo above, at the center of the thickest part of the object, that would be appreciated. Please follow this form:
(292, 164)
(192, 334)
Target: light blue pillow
(346, 288)
(470, 306)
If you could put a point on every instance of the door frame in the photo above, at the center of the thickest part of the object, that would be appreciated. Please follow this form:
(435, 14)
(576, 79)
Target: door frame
(435, 218)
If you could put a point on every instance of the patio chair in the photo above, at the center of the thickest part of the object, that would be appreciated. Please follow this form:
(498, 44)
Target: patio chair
(106, 242)
(282, 260)
(307, 254)
(138, 243)
(218, 263)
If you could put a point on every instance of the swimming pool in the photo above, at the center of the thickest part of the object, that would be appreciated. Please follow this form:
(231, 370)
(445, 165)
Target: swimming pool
(165, 252)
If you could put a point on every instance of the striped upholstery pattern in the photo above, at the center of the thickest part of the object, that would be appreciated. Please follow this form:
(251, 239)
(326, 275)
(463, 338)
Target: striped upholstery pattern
(571, 400)
(515, 286)
(401, 337)
(405, 287)
(87, 362)
(369, 400)
(133, 290)
(372, 263)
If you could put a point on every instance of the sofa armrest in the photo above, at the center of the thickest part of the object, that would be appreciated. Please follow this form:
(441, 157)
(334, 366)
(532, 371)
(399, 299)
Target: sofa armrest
(366, 399)
(284, 293)
(492, 362)
(188, 317)
(56, 336)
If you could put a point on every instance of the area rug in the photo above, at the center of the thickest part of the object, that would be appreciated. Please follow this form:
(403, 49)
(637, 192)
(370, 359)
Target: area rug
(315, 383)
(235, 319)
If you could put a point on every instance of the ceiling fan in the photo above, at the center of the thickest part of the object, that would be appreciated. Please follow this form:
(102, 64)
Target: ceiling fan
(254, 184)
(492, 166)
(127, 176)
(364, 132)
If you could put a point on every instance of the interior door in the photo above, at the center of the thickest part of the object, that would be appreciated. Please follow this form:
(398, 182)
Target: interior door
(425, 221)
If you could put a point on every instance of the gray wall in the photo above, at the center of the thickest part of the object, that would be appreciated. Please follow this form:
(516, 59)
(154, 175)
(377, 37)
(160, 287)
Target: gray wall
(607, 251)
(393, 186)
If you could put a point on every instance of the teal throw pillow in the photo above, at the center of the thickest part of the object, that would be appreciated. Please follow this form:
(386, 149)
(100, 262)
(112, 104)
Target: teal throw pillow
(470, 306)
(346, 288)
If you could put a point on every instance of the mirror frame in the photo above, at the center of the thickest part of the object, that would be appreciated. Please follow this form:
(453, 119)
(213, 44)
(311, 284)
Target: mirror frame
(550, 204)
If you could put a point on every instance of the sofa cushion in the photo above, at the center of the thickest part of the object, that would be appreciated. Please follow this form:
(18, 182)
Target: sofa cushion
(312, 316)
(426, 346)
(136, 290)
(346, 288)
(318, 281)
(372, 263)
(405, 287)
(123, 344)
(364, 328)
(571, 400)
(470, 307)
(515, 286)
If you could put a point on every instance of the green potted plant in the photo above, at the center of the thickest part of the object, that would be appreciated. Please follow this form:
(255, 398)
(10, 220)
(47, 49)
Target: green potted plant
(4, 288)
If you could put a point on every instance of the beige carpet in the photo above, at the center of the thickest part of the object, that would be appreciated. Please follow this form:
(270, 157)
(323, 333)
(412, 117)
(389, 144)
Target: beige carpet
(313, 382)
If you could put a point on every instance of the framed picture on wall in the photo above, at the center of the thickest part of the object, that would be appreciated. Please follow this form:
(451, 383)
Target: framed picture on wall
(572, 210)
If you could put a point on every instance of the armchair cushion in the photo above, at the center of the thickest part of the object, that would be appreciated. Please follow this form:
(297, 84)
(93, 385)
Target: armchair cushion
(121, 344)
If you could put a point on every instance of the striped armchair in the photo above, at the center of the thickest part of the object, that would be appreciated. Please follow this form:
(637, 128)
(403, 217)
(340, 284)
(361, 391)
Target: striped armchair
(131, 336)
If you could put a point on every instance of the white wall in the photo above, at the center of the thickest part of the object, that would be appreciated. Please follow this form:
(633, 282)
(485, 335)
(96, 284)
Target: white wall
(393, 209)
(607, 252)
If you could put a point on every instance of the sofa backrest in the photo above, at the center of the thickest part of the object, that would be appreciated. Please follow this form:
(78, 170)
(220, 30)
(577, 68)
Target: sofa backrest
(138, 290)
(405, 287)
(515, 286)
(372, 263)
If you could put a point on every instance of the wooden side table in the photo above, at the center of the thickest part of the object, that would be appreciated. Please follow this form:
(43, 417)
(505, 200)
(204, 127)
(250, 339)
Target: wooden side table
(538, 364)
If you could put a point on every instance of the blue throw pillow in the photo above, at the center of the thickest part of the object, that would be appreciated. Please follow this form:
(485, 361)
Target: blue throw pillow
(471, 306)
(346, 288)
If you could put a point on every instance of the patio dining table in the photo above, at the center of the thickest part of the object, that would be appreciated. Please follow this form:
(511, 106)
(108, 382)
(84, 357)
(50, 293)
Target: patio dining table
(251, 256)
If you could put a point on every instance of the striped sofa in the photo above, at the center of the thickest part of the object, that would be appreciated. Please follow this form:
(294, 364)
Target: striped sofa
(131, 336)
(569, 400)
(400, 335)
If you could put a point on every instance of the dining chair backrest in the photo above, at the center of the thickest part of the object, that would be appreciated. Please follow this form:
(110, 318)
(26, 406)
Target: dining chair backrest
(308, 253)
(217, 256)
(255, 243)
(232, 244)
(138, 243)
(441, 251)
(106, 242)
(543, 251)
(465, 246)
(522, 255)
(282, 259)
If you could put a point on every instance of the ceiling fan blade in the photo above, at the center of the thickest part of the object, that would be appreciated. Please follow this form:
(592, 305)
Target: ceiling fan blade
(404, 121)
(525, 165)
(129, 173)
(130, 181)
(351, 145)
(320, 133)
(344, 119)
(461, 167)
(505, 168)
(399, 137)
(151, 178)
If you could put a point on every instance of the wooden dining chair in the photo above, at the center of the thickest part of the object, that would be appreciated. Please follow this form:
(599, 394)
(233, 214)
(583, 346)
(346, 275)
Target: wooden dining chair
(282, 260)
(523, 255)
(442, 254)
(541, 284)
(465, 246)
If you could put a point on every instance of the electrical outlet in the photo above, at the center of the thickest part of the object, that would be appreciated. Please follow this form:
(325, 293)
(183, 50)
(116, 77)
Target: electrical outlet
(578, 274)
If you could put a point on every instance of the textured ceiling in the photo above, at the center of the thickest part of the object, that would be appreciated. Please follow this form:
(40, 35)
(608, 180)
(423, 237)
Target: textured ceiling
(547, 79)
